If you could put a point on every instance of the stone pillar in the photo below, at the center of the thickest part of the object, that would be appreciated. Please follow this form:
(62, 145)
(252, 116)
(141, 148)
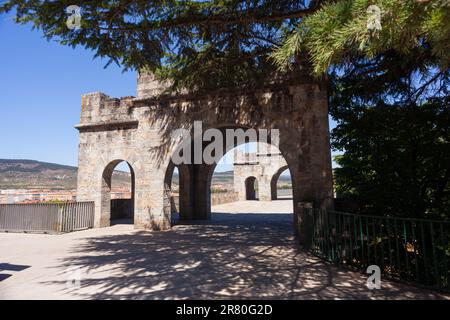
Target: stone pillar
(264, 192)
(185, 208)
(149, 212)
(102, 217)
(303, 223)
(239, 184)
(309, 156)
(201, 183)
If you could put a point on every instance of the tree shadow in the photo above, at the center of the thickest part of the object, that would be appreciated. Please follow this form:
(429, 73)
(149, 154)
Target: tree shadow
(10, 267)
(232, 256)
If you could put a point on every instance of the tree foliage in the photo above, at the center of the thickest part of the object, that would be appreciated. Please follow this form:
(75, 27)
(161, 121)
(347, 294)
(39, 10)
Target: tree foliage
(397, 158)
(196, 44)
(341, 31)
(391, 105)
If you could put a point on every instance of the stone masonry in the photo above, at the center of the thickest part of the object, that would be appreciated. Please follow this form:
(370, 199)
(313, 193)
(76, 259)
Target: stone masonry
(264, 166)
(138, 130)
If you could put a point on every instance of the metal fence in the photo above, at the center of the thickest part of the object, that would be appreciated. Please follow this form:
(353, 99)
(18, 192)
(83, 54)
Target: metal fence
(47, 218)
(415, 250)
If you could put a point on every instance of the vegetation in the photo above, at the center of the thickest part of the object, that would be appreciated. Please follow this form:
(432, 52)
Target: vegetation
(219, 190)
(342, 31)
(389, 96)
(397, 159)
(286, 186)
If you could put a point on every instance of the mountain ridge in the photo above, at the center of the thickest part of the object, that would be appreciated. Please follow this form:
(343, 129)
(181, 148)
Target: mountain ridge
(34, 174)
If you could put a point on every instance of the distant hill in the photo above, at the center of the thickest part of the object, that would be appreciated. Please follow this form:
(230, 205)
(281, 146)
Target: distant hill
(32, 174)
(227, 177)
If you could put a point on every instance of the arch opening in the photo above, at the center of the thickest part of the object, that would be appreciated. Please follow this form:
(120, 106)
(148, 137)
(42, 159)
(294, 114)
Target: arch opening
(243, 175)
(118, 193)
(251, 188)
(211, 184)
(281, 184)
(177, 192)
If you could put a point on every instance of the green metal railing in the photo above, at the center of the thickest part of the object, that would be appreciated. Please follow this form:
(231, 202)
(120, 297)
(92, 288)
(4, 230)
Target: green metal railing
(415, 250)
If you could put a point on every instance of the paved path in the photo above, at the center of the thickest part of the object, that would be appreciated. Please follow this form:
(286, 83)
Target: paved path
(235, 255)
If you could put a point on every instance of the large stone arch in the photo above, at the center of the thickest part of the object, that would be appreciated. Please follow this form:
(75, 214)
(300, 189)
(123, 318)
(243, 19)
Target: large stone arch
(203, 175)
(139, 130)
(200, 175)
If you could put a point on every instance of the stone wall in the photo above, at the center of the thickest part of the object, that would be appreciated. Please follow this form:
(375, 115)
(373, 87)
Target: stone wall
(216, 199)
(265, 165)
(138, 131)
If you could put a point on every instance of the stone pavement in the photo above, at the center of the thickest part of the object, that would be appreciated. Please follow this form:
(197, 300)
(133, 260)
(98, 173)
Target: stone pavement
(248, 252)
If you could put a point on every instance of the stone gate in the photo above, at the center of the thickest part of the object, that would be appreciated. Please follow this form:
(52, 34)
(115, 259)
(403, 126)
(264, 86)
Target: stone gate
(263, 167)
(138, 130)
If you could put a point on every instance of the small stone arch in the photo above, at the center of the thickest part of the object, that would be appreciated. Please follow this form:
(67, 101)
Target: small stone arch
(250, 188)
(105, 203)
(274, 180)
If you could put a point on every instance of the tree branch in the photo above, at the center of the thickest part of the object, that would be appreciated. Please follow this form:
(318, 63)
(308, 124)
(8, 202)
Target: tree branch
(242, 18)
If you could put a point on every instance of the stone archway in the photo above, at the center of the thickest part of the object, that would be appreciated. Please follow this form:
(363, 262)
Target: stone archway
(201, 175)
(250, 188)
(263, 164)
(106, 203)
(142, 127)
(274, 180)
(182, 205)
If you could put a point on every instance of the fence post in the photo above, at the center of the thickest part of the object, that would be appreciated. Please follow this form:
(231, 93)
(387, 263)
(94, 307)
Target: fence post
(59, 218)
(304, 227)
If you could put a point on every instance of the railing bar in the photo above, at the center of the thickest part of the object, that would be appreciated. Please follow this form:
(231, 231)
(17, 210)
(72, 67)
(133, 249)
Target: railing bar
(445, 245)
(324, 217)
(397, 246)
(414, 240)
(355, 238)
(314, 227)
(425, 258)
(433, 245)
(329, 238)
(381, 244)
(368, 242)
(350, 242)
(362, 240)
(338, 235)
(406, 249)
(375, 241)
(393, 218)
(318, 231)
(388, 232)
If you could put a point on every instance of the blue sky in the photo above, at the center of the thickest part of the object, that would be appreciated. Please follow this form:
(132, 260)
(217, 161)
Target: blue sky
(41, 84)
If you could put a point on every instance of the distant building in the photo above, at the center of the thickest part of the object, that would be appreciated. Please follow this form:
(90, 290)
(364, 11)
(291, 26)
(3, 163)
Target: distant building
(256, 174)
(26, 196)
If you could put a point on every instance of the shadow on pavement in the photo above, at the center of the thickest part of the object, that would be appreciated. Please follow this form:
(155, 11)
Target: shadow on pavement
(237, 256)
